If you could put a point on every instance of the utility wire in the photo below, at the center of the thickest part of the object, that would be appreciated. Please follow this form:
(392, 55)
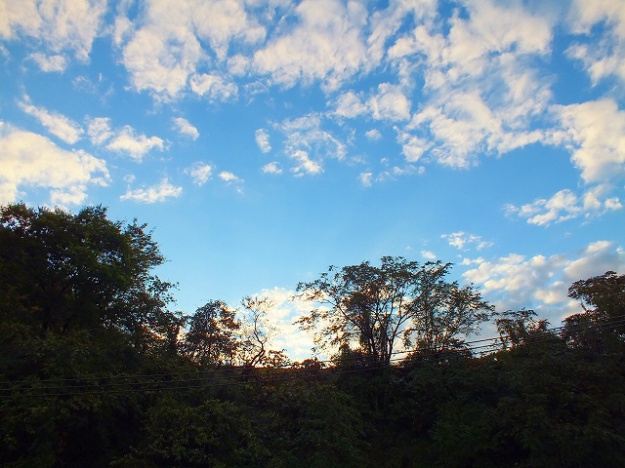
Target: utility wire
(171, 383)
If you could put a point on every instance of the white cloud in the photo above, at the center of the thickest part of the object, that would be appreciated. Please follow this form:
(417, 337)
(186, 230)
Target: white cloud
(59, 25)
(126, 141)
(304, 165)
(183, 126)
(285, 309)
(541, 282)
(308, 144)
(166, 49)
(606, 56)
(213, 86)
(262, 140)
(272, 168)
(373, 134)
(52, 63)
(461, 239)
(326, 44)
(349, 105)
(228, 177)
(565, 205)
(156, 193)
(99, 130)
(390, 103)
(200, 172)
(57, 124)
(366, 178)
(232, 179)
(596, 136)
(31, 160)
(428, 255)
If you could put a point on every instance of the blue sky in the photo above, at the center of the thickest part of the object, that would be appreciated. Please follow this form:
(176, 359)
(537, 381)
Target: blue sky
(266, 140)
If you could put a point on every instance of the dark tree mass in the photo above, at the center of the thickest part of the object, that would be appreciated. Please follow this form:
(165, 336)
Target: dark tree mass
(96, 370)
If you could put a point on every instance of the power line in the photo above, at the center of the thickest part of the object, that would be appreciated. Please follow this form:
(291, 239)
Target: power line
(172, 383)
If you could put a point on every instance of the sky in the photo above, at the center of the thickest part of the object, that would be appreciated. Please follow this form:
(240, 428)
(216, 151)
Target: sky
(265, 140)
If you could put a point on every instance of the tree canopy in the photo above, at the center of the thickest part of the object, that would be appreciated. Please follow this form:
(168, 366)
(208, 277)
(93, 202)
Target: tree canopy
(399, 302)
(95, 370)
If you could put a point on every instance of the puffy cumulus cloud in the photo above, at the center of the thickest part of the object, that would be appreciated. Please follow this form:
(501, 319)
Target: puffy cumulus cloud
(200, 172)
(32, 160)
(184, 127)
(304, 165)
(594, 133)
(463, 126)
(52, 63)
(366, 178)
(323, 42)
(272, 168)
(390, 103)
(232, 179)
(308, 144)
(285, 308)
(373, 134)
(541, 282)
(127, 141)
(483, 92)
(57, 124)
(227, 176)
(160, 192)
(214, 87)
(349, 105)
(462, 240)
(565, 205)
(62, 27)
(166, 49)
(386, 23)
(428, 255)
(606, 56)
(262, 140)
(99, 130)
(596, 136)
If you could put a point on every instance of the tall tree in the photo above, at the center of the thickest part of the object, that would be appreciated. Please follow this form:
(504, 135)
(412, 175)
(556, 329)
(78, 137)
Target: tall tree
(62, 272)
(376, 307)
(602, 324)
(212, 339)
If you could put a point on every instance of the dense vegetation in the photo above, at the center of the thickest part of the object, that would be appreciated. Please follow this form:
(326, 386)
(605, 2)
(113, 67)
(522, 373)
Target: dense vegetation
(95, 370)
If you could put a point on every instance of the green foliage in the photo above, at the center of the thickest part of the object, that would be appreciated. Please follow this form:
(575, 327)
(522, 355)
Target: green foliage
(397, 301)
(211, 338)
(93, 371)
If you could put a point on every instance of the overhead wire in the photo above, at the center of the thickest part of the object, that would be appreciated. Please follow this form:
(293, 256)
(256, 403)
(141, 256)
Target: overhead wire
(170, 382)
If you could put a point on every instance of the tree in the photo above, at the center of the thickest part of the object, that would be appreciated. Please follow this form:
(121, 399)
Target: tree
(256, 333)
(211, 339)
(602, 324)
(518, 327)
(374, 308)
(62, 273)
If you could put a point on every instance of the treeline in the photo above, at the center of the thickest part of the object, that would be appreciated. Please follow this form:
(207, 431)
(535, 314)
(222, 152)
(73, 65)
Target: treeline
(96, 370)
